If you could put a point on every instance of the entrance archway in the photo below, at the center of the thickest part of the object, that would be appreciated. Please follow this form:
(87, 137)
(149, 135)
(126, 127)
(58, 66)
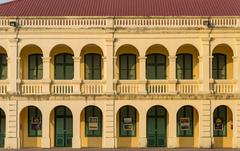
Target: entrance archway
(157, 127)
(2, 127)
(63, 128)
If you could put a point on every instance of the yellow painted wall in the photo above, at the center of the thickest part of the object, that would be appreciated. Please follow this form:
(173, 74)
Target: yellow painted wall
(127, 49)
(88, 141)
(52, 129)
(90, 49)
(191, 50)
(55, 51)
(128, 141)
(162, 50)
(224, 49)
(225, 142)
(27, 142)
(189, 142)
(25, 52)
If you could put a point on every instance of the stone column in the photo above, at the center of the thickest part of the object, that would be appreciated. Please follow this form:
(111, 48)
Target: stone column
(172, 74)
(142, 130)
(108, 140)
(108, 66)
(77, 74)
(142, 75)
(114, 75)
(204, 67)
(172, 139)
(205, 125)
(13, 67)
(46, 75)
(45, 129)
(76, 140)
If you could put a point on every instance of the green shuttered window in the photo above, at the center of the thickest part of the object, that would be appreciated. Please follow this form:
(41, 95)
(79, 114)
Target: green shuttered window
(219, 66)
(127, 67)
(35, 67)
(3, 66)
(184, 66)
(156, 66)
(220, 122)
(185, 122)
(34, 122)
(93, 119)
(92, 67)
(127, 117)
(64, 67)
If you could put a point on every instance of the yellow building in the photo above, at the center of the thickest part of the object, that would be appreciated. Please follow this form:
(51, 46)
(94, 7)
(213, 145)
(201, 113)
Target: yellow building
(120, 73)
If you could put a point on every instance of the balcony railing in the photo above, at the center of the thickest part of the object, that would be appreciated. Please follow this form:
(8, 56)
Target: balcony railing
(188, 86)
(63, 87)
(127, 87)
(92, 87)
(3, 87)
(31, 87)
(223, 86)
(157, 87)
(120, 22)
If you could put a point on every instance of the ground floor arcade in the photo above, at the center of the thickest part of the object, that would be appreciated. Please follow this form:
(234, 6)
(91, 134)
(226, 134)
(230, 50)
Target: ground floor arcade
(120, 123)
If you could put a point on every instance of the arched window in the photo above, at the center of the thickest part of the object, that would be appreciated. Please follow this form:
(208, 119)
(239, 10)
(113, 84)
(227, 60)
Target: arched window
(3, 66)
(127, 67)
(92, 67)
(64, 67)
(184, 66)
(93, 122)
(34, 122)
(156, 66)
(220, 121)
(127, 124)
(185, 122)
(35, 67)
(219, 66)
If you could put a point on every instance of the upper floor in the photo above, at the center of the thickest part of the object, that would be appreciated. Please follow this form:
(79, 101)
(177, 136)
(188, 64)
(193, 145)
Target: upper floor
(46, 58)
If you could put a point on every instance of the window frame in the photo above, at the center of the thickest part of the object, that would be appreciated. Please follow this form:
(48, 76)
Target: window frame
(184, 68)
(191, 122)
(216, 55)
(156, 65)
(93, 110)
(29, 121)
(92, 67)
(2, 55)
(36, 65)
(128, 70)
(224, 122)
(134, 122)
(64, 66)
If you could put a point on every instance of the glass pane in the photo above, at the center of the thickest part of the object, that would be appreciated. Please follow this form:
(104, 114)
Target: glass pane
(132, 75)
(32, 62)
(96, 62)
(59, 59)
(123, 62)
(59, 111)
(69, 72)
(123, 75)
(150, 59)
(161, 72)
(188, 74)
(69, 59)
(97, 74)
(132, 62)
(150, 72)
(188, 61)
(4, 72)
(59, 73)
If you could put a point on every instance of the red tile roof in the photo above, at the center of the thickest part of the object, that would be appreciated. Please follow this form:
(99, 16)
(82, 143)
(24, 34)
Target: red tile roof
(121, 8)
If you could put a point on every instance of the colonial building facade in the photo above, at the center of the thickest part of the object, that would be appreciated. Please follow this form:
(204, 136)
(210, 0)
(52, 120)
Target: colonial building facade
(112, 81)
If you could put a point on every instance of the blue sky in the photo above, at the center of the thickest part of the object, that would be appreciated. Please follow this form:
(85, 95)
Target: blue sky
(3, 1)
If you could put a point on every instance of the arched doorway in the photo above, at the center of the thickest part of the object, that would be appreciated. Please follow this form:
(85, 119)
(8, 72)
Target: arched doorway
(30, 127)
(157, 127)
(91, 127)
(2, 127)
(63, 129)
(222, 127)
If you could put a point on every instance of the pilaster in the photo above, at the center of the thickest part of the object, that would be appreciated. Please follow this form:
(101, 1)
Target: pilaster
(142, 76)
(77, 73)
(142, 132)
(45, 130)
(172, 74)
(76, 140)
(46, 75)
(172, 136)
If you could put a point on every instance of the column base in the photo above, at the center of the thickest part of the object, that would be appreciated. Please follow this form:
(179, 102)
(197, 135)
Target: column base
(76, 142)
(12, 143)
(108, 142)
(172, 142)
(205, 142)
(142, 142)
(45, 142)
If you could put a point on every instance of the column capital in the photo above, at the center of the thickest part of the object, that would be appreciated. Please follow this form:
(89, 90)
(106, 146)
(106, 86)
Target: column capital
(115, 58)
(142, 58)
(200, 58)
(14, 40)
(76, 59)
(46, 59)
(211, 57)
(110, 40)
(172, 57)
(234, 58)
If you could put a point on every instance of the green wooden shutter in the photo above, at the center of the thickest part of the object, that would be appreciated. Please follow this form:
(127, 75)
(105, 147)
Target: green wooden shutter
(64, 67)
(34, 112)
(127, 112)
(3, 66)
(184, 66)
(35, 67)
(185, 112)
